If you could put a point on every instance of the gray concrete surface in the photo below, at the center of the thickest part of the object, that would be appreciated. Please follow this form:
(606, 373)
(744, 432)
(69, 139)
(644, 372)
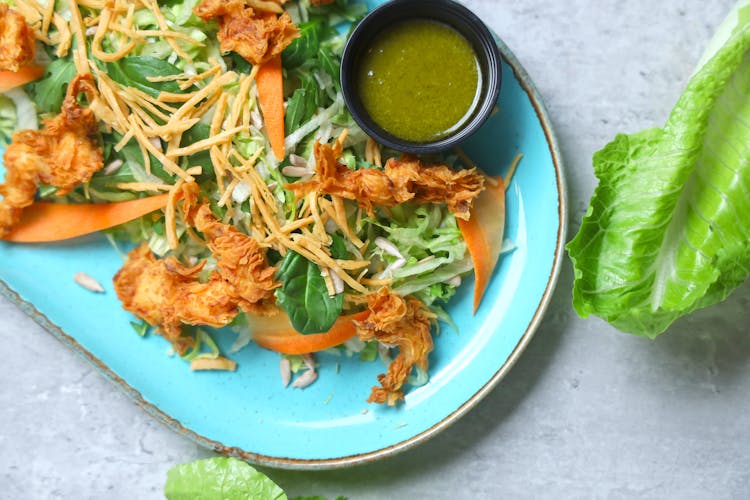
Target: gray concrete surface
(586, 413)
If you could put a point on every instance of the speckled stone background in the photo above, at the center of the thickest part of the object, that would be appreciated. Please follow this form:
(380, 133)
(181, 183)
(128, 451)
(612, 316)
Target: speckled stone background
(586, 413)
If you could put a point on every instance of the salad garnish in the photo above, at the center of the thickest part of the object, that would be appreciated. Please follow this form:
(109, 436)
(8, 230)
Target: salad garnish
(257, 203)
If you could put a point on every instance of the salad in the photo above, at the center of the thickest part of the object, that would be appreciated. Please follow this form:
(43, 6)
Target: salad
(210, 140)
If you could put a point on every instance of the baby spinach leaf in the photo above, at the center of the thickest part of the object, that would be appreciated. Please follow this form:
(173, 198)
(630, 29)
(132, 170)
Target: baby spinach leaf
(304, 295)
(198, 132)
(338, 247)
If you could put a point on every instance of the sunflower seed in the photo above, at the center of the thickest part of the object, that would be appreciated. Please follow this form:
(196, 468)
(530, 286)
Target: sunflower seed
(291, 171)
(88, 283)
(388, 247)
(309, 361)
(286, 371)
(305, 379)
(113, 167)
(454, 281)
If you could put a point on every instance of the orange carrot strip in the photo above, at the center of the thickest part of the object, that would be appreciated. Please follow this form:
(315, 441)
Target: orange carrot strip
(13, 79)
(277, 334)
(42, 222)
(483, 234)
(271, 97)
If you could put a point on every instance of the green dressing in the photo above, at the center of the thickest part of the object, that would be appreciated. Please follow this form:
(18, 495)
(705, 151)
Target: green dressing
(419, 80)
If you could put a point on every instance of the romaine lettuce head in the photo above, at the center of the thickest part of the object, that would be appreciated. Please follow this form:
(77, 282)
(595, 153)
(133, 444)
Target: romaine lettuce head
(668, 227)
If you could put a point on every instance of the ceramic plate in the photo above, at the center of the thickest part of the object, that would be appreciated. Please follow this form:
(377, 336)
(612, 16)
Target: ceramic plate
(329, 424)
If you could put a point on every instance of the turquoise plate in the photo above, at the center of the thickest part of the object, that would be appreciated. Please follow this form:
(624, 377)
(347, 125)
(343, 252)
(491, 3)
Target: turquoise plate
(247, 413)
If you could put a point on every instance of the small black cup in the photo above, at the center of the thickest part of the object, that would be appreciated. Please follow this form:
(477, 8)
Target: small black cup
(450, 13)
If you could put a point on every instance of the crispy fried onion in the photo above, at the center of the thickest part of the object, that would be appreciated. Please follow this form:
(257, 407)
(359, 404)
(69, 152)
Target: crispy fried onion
(403, 322)
(168, 294)
(256, 35)
(165, 293)
(402, 180)
(64, 154)
(241, 262)
(16, 40)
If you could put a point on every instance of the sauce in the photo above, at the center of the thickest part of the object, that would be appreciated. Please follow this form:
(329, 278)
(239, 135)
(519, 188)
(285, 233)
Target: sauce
(419, 80)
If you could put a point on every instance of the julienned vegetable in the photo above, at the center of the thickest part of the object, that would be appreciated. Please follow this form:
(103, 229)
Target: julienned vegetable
(271, 96)
(277, 334)
(44, 222)
(483, 234)
(13, 79)
(668, 228)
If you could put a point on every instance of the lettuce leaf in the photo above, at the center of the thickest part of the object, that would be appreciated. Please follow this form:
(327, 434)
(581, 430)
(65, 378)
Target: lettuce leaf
(668, 227)
(223, 478)
(220, 478)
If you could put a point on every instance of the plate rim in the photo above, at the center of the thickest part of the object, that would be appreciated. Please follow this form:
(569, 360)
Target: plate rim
(362, 458)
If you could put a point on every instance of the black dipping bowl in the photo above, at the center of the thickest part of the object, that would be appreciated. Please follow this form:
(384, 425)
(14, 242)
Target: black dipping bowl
(448, 12)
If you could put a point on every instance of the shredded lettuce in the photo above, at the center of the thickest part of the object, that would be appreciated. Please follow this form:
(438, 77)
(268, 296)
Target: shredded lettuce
(26, 111)
(432, 251)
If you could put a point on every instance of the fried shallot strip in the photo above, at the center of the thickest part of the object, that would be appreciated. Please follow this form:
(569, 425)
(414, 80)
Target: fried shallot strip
(256, 36)
(64, 154)
(16, 40)
(241, 261)
(402, 180)
(404, 322)
(167, 294)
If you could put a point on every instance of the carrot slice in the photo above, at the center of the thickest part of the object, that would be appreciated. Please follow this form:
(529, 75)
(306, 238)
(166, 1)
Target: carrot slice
(277, 334)
(483, 234)
(13, 79)
(270, 84)
(43, 222)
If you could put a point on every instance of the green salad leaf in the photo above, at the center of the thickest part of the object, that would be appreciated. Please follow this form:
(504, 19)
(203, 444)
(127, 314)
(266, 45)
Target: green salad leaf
(220, 478)
(48, 93)
(316, 498)
(304, 295)
(223, 478)
(302, 105)
(135, 71)
(668, 227)
(7, 119)
(433, 251)
(304, 47)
